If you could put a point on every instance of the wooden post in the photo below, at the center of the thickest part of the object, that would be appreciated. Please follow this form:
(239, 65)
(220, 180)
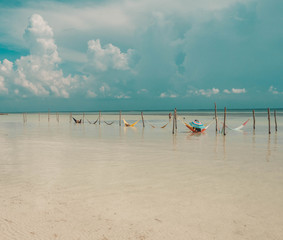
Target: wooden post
(254, 119)
(224, 126)
(268, 112)
(70, 120)
(215, 116)
(175, 116)
(48, 115)
(173, 130)
(275, 120)
(99, 117)
(142, 119)
(120, 119)
(57, 116)
(24, 118)
(83, 117)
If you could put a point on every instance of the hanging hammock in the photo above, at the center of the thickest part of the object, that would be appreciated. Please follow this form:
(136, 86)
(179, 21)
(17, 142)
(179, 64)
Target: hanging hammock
(108, 123)
(93, 122)
(238, 128)
(197, 126)
(77, 121)
(130, 125)
(164, 126)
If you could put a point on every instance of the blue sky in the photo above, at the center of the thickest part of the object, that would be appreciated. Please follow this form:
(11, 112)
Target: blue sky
(112, 55)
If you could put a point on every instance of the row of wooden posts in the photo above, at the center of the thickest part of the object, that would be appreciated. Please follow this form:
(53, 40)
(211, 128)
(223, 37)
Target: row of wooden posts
(224, 124)
(174, 119)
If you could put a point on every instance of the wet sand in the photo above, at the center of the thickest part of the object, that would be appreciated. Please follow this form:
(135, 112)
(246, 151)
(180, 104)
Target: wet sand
(68, 181)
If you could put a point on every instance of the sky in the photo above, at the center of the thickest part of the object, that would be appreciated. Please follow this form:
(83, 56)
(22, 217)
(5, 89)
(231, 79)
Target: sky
(140, 55)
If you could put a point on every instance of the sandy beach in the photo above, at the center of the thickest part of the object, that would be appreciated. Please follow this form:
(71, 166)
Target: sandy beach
(70, 181)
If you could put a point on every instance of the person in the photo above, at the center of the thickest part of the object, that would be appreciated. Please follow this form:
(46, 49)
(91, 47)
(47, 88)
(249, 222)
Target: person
(197, 122)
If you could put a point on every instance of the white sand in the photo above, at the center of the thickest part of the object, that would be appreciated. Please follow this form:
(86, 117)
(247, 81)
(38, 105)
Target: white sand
(62, 181)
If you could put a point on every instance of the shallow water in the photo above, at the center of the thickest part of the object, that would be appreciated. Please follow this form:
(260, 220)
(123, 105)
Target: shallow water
(60, 180)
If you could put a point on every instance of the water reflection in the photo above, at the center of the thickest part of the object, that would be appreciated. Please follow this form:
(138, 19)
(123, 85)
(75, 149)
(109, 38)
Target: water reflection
(224, 147)
(268, 155)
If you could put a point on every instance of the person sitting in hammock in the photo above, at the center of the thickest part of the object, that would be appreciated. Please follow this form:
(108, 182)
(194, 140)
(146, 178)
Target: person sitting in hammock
(197, 125)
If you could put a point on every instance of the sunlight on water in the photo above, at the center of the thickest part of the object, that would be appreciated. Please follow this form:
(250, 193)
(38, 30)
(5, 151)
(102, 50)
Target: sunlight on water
(84, 181)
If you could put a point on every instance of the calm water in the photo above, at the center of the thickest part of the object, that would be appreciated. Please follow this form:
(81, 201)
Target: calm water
(61, 180)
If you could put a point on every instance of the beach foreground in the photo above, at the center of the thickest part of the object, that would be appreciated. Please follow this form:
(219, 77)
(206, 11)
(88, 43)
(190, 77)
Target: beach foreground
(70, 181)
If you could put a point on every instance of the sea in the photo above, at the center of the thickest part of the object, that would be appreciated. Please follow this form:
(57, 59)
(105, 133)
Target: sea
(62, 180)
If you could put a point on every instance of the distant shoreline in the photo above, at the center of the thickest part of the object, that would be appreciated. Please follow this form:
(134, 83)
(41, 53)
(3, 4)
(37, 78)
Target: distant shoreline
(231, 110)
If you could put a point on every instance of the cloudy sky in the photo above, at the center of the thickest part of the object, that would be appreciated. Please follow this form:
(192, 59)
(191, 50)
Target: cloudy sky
(143, 54)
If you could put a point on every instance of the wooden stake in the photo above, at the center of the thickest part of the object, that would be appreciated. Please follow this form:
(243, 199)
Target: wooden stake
(142, 119)
(254, 119)
(48, 115)
(268, 112)
(120, 119)
(173, 130)
(175, 115)
(99, 117)
(275, 120)
(83, 117)
(224, 126)
(215, 116)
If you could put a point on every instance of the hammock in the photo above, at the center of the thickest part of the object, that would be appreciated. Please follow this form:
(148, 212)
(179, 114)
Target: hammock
(195, 125)
(130, 125)
(164, 126)
(108, 123)
(238, 128)
(93, 122)
(77, 121)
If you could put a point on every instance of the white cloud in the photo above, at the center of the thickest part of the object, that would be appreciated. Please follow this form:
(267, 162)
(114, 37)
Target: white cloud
(205, 92)
(274, 90)
(238, 90)
(6, 69)
(226, 91)
(38, 72)
(91, 94)
(2, 85)
(122, 96)
(109, 57)
(163, 95)
(168, 95)
(142, 91)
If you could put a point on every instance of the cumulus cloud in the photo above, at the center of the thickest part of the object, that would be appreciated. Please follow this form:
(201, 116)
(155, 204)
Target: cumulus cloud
(142, 91)
(226, 91)
(274, 90)
(122, 96)
(168, 95)
(204, 92)
(238, 90)
(108, 57)
(38, 72)
(6, 69)
(91, 94)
